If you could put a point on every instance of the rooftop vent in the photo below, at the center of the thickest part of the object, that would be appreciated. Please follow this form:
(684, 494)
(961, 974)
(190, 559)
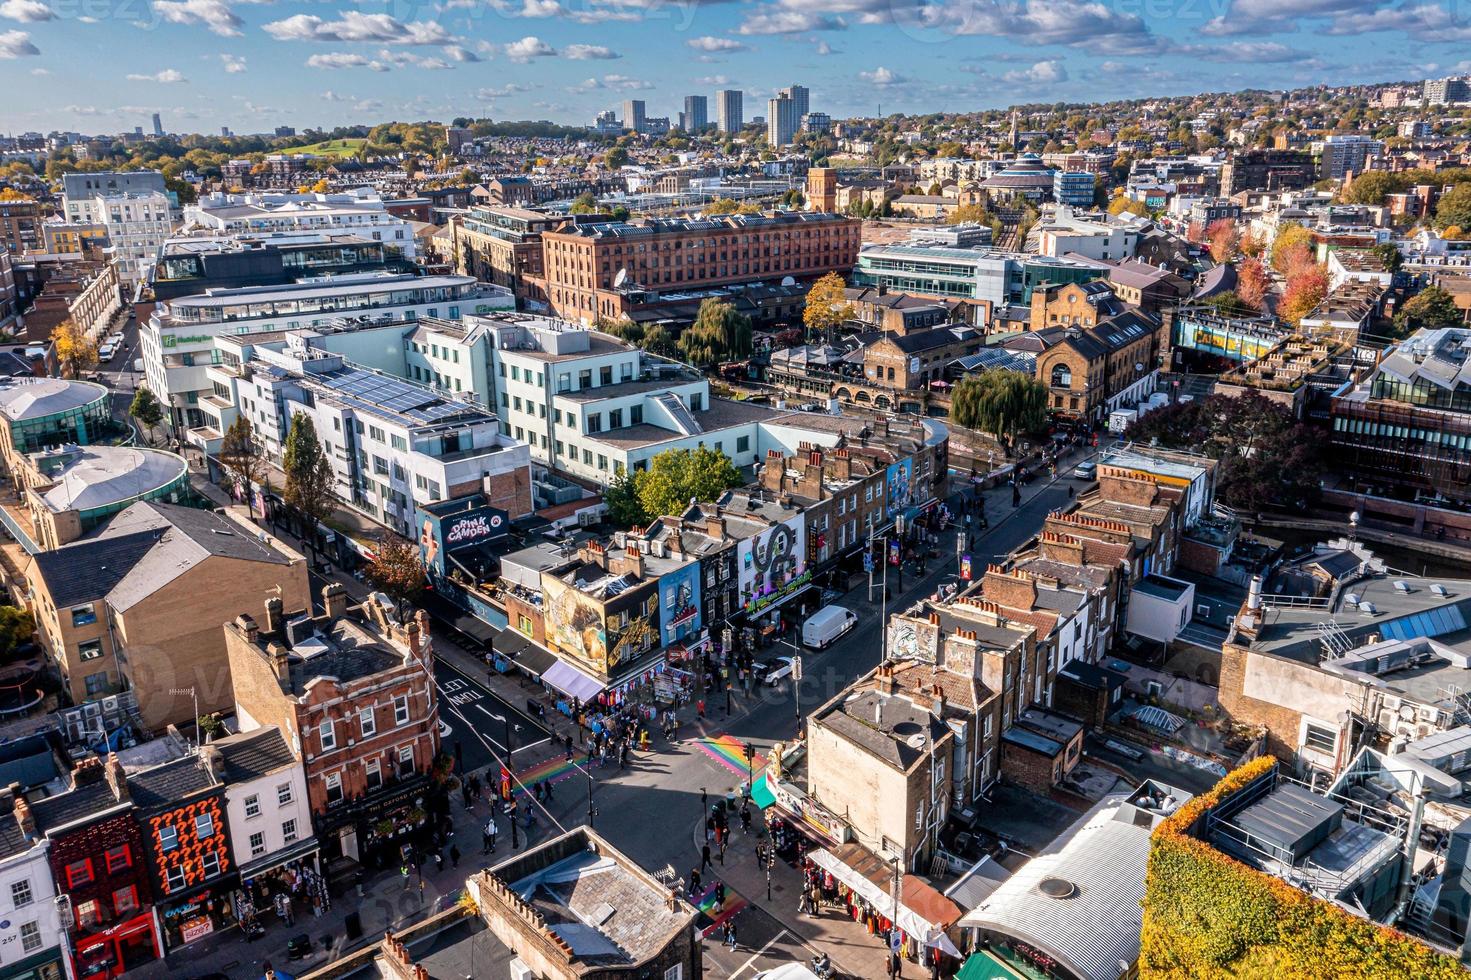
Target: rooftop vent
(1058, 888)
(1402, 587)
(1367, 608)
(1440, 590)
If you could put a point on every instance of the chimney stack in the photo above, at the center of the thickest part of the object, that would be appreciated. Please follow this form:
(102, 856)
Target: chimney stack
(334, 600)
(213, 760)
(247, 625)
(24, 818)
(117, 777)
(275, 617)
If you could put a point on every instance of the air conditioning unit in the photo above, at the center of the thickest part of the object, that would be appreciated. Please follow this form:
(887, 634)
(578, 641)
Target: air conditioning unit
(1202, 609)
(520, 971)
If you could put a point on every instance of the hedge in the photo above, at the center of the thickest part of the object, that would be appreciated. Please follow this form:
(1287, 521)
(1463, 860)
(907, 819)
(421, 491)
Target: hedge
(1207, 915)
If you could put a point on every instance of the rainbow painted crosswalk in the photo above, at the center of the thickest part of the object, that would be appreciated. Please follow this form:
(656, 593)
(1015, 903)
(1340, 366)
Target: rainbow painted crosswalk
(717, 915)
(730, 752)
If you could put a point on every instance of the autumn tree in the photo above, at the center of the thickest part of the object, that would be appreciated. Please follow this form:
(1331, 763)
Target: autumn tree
(826, 307)
(75, 351)
(722, 205)
(677, 476)
(1121, 204)
(1454, 209)
(1003, 403)
(309, 477)
(1251, 245)
(397, 570)
(1252, 283)
(1292, 249)
(1305, 290)
(242, 455)
(147, 410)
(719, 333)
(1222, 238)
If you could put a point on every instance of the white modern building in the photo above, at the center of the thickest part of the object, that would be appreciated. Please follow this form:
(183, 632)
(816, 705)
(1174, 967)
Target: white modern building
(31, 935)
(179, 340)
(1068, 234)
(360, 211)
(266, 802)
(137, 224)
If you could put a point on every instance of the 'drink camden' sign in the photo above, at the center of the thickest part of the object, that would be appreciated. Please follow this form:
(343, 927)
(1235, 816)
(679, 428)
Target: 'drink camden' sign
(440, 535)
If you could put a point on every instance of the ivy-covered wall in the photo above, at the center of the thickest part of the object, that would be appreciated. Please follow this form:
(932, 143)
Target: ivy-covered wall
(1207, 915)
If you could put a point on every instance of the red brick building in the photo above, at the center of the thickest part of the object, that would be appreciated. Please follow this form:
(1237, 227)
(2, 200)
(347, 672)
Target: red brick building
(581, 264)
(353, 692)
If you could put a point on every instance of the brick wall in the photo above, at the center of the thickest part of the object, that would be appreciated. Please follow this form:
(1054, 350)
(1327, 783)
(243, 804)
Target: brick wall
(1027, 768)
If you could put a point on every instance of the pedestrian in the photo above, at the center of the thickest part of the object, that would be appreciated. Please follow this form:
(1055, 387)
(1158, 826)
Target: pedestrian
(700, 707)
(438, 860)
(465, 793)
(491, 830)
(730, 935)
(709, 829)
(547, 792)
(893, 964)
(719, 894)
(567, 742)
(704, 857)
(403, 872)
(721, 852)
(694, 882)
(454, 856)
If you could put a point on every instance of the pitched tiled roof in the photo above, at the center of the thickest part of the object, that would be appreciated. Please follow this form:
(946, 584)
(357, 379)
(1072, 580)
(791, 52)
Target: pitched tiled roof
(250, 755)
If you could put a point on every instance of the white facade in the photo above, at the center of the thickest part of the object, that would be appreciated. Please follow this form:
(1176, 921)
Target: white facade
(30, 922)
(1098, 240)
(269, 817)
(360, 212)
(137, 224)
(1160, 608)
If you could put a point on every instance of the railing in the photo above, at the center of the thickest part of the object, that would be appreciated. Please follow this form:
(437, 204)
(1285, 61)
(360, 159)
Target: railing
(20, 534)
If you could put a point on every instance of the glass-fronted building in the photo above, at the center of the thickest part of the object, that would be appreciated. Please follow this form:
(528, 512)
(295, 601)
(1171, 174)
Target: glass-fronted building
(42, 412)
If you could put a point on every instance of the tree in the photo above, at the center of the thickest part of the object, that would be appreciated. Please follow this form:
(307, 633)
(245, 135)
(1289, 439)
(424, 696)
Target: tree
(657, 340)
(1390, 255)
(241, 453)
(1226, 303)
(75, 351)
(1251, 245)
(584, 203)
(1454, 209)
(1222, 238)
(621, 496)
(968, 214)
(397, 570)
(309, 477)
(616, 158)
(1305, 290)
(677, 476)
(719, 333)
(1120, 204)
(1291, 249)
(1004, 404)
(1432, 308)
(17, 626)
(1252, 282)
(623, 328)
(722, 205)
(826, 307)
(147, 409)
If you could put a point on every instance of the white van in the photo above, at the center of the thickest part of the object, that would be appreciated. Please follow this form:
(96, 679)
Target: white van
(826, 625)
(105, 352)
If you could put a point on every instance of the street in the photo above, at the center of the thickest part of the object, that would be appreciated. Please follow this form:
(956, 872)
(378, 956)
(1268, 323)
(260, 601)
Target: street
(478, 720)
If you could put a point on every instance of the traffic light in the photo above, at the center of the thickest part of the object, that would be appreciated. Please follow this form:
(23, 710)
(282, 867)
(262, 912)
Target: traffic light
(750, 752)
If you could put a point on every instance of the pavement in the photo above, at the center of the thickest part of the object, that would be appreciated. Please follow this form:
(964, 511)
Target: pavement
(635, 808)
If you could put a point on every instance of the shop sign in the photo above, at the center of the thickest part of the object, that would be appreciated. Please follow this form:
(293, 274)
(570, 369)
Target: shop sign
(761, 602)
(469, 530)
(173, 340)
(196, 929)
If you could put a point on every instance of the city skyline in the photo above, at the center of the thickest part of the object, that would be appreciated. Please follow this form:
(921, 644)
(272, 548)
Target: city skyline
(207, 63)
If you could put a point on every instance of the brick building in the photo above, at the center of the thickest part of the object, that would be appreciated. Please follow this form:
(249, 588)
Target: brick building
(353, 691)
(1091, 370)
(21, 225)
(594, 271)
(913, 360)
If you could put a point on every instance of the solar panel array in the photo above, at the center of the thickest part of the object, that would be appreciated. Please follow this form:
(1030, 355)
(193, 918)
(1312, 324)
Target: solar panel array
(379, 394)
(1431, 623)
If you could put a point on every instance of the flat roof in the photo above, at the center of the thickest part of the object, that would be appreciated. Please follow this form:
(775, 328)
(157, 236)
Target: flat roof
(336, 286)
(24, 399)
(99, 476)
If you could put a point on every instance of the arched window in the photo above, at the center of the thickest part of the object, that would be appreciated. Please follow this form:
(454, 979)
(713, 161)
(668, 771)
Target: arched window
(1062, 376)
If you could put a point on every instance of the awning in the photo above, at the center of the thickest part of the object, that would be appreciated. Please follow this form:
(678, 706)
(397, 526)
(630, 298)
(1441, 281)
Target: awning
(271, 862)
(520, 650)
(762, 794)
(982, 965)
(926, 923)
(442, 609)
(571, 681)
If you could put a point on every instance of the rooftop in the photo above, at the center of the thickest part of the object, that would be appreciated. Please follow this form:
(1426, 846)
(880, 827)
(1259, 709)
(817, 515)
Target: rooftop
(90, 477)
(24, 399)
(891, 728)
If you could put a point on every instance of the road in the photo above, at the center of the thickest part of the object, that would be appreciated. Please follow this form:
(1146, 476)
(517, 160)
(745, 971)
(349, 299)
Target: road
(477, 720)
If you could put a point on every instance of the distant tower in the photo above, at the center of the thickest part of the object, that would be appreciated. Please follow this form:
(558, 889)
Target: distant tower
(157, 125)
(1013, 131)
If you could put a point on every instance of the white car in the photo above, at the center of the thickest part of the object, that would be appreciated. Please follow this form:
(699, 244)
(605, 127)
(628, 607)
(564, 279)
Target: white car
(776, 671)
(115, 339)
(105, 352)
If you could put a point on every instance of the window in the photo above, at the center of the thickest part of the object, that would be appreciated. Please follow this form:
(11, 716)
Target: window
(368, 722)
(177, 877)
(743, 444)
(168, 838)
(334, 789)
(125, 899)
(675, 972)
(257, 844)
(406, 759)
(80, 872)
(373, 774)
(30, 937)
(252, 806)
(401, 709)
(283, 794)
(20, 893)
(1062, 376)
(328, 735)
(90, 650)
(83, 615)
(1319, 738)
(288, 830)
(211, 863)
(119, 858)
(204, 826)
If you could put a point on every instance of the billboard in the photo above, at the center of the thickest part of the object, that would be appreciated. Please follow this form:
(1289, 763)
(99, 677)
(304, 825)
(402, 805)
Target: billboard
(679, 604)
(772, 563)
(897, 483)
(439, 535)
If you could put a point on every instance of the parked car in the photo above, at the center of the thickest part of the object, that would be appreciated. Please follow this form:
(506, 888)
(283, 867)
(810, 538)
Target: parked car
(826, 625)
(105, 352)
(773, 672)
(1086, 471)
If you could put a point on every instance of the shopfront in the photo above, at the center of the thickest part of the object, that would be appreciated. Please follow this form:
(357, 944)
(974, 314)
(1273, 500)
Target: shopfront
(199, 912)
(293, 872)
(45, 965)
(125, 946)
(374, 831)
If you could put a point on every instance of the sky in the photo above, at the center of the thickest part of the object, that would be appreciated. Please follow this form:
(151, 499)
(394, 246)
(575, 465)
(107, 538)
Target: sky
(103, 66)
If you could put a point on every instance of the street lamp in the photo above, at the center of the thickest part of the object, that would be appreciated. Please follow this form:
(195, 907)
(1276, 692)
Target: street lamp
(510, 750)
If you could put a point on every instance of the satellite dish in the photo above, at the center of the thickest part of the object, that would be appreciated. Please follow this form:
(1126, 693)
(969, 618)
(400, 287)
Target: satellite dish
(621, 279)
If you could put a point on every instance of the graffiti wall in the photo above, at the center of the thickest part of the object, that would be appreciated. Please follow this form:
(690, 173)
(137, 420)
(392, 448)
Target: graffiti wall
(897, 483)
(772, 563)
(574, 624)
(912, 639)
(679, 604)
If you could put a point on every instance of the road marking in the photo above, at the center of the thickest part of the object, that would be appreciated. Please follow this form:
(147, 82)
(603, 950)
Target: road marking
(757, 955)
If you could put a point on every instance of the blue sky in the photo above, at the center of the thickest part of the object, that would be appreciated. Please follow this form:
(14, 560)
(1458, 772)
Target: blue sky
(106, 65)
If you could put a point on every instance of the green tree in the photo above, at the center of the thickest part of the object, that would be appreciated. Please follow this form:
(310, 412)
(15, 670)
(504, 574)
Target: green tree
(240, 453)
(584, 203)
(1454, 209)
(1004, 404)
(616, 158)
(968, 214)
(677, 476)
(147, 410)
(1390, 255)
(623, 328)
(16, 628)
(397, 570)
(719, 333)
(657, 340)
(722, 205)
(1432, 308)
(826, 307)
(624, 507)
(309, 478)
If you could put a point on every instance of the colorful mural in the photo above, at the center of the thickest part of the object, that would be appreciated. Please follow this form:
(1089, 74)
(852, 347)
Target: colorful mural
(772, 563)
(679, 604)
(574, 624)
(911, 639)
(897, 483)
(440, 535)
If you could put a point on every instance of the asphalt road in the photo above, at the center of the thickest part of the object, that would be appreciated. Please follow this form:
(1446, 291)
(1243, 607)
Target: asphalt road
(477, 720)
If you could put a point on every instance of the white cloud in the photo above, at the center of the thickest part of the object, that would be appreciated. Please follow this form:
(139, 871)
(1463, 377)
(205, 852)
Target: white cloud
(589, 52)
(40, 72)
(84, 110)
(527, 48)
(625, 82)
(342, 60)
(234, 64)
(1079, 23)
(489, 94)
(1042, 73)
(821, 47)
(718, 81)
(881, 76)
(403, 59)
(215, 15)
(16, 44)
(713, 44)
(530, 8)
(166, 76)
(771, 20)
(356, 26)
(461, 54)
(26, 11)
(1251, 52)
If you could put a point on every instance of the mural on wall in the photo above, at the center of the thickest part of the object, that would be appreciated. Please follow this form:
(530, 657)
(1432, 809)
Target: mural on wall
(679, 604)
(897, 485)
(772, 563)
(574, 623)
(439, 536)
(191, 842)
(634, 632)
(911, 639)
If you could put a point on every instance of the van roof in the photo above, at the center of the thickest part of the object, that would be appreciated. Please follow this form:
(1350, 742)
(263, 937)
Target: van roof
(828, 612)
